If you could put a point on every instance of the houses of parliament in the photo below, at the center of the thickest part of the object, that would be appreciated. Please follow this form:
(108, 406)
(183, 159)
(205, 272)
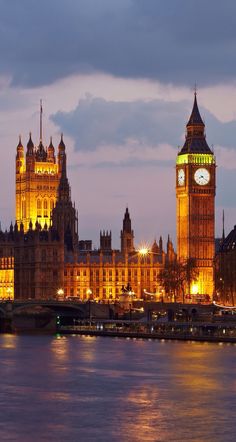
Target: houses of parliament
(41, 254)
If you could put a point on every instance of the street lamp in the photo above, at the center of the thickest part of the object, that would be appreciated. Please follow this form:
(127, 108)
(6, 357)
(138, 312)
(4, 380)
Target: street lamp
(89, 293)
(143, 251)
(60, 294)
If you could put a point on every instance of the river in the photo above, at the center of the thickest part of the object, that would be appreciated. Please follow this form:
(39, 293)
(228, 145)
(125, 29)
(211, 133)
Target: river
(84, 389)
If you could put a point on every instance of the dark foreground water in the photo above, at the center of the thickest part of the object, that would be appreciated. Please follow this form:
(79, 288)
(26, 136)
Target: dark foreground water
(103, 389)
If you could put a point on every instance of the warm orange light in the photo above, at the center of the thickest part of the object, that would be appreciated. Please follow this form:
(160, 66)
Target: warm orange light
(143, 251)
(7, 283)
(194, 289)
(46, 168)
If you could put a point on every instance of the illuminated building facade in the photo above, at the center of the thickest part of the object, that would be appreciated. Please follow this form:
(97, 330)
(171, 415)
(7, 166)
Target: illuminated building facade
(42, 253)
(225, 270)
(38, 172)
(7, 244)
(195, 195)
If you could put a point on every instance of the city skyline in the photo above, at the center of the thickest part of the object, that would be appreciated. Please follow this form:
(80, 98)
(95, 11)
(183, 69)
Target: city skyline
(122, 121)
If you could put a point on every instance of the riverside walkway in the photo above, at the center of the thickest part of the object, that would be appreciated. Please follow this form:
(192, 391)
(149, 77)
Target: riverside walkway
(224, 331)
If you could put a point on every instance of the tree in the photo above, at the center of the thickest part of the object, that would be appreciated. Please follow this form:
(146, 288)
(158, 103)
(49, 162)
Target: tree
(190, 271)
(170, 278)
(176, 277)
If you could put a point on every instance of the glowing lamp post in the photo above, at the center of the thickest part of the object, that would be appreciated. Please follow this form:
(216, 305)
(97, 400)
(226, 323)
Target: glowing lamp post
(143, 253)
(60, 293)
(89, 293)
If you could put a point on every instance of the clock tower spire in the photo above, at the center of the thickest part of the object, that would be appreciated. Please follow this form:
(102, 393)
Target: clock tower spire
(195, 196)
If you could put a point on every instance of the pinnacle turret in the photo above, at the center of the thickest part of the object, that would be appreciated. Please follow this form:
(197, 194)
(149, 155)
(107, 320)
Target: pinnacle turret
(61, 145)
(195, 117)
(20, 149)
(20, 145)
(195, 137)
(30, 145)
(127, 221)
(127, 234)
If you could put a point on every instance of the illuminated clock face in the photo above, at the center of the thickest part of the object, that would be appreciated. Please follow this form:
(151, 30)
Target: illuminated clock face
(181, 177)
(202, 176)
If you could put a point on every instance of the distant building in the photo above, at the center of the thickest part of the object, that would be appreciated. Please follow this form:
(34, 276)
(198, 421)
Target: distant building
(225, 270)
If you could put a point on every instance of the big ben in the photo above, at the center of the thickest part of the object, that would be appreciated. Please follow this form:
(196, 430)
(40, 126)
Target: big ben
(195, 195)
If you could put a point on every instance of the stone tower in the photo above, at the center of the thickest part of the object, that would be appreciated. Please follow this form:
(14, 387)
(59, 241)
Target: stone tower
(37, 179)
(64, 214)
(127, 234)
(105, 241)
(195, 194)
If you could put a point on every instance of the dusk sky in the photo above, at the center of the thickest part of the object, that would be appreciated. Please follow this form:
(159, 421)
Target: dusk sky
(117, 78)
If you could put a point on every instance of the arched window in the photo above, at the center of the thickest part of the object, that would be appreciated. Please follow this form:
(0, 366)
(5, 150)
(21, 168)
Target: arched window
(39, 208)
(45, 208)
(51, 206)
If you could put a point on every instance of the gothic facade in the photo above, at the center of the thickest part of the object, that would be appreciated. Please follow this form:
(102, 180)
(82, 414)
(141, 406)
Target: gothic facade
(42, 257)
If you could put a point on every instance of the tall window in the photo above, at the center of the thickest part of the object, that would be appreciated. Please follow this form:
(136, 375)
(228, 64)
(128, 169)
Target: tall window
(45, 208)
(23, 209)
(39, 208)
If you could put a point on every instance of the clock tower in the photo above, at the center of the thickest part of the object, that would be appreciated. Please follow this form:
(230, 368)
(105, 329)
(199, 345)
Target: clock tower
(195, 195)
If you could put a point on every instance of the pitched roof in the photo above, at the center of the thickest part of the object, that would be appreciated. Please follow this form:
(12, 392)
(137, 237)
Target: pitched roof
(195, 117)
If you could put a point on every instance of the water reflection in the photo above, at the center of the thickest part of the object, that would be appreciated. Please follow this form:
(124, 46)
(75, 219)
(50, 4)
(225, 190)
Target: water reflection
(8, 341)
(100, 389)
(142, 417)
(59, 348)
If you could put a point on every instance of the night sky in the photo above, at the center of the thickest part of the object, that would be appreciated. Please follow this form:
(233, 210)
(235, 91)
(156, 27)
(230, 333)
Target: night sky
(117, 78)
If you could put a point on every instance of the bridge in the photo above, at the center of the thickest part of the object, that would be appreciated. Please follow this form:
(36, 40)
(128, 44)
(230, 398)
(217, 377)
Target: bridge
(32, 314)
(40, 313)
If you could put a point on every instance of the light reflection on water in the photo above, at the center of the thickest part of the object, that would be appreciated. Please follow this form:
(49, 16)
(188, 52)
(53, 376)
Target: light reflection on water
(102, 389)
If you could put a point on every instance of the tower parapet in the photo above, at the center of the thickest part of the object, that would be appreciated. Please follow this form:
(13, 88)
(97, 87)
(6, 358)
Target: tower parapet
(105, 241)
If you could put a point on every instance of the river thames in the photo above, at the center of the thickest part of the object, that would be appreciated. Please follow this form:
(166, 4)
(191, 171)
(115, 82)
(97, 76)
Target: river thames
(112, 389)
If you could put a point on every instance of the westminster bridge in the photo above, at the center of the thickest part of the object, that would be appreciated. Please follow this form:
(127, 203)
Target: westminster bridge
(49, 314)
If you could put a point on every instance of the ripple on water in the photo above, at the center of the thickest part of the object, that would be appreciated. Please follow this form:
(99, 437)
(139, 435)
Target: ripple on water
(102, 389)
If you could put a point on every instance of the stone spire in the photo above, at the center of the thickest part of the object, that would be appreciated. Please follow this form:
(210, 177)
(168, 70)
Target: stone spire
(195, 117)
(30, 146)
(64, 187)
(41, 122)
(127, 221)
(195, 136)
(20, 149)
(51, 152)
(127, 234)
(61, 154)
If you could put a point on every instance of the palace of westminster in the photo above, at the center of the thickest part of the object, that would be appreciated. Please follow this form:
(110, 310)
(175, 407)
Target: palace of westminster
(41, 254)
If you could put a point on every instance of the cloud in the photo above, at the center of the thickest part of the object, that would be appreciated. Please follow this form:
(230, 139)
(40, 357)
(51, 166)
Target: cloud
(176, 41)
(136, 125)
(226, 187)
(97, 122)
(125, 156)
